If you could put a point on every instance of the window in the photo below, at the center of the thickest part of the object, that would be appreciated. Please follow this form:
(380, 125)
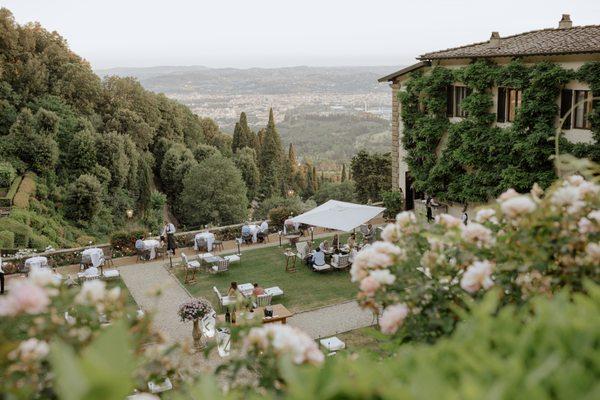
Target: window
(579, 117)
(509, 101)
(455, 96)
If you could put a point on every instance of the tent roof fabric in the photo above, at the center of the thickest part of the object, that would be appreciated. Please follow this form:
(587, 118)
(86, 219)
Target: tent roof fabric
(339, 215)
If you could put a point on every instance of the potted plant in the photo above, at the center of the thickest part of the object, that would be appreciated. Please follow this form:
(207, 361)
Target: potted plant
(194, 310)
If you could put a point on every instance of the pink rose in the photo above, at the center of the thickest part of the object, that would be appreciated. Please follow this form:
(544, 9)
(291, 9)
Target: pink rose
(393, 318)
(369, 285)
(24, 297)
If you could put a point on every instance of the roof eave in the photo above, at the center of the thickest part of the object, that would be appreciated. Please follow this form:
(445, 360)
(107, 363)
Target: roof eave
(404, 71)
(429, 58)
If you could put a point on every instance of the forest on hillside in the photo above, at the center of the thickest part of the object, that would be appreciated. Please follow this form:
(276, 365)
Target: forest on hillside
(83, 157)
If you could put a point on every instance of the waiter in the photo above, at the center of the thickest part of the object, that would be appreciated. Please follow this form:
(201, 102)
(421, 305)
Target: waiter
(169, 233)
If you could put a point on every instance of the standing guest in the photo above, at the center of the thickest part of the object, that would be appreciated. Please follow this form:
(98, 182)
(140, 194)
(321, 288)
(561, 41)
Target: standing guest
(335, 243)
(428, 207)
(1, 277)
(263, 231)
(139, 243)
(465, 216)
(308, 253)
(352, 241)
(257, 291)
(369, 234)
(234, 294)
(169, 233)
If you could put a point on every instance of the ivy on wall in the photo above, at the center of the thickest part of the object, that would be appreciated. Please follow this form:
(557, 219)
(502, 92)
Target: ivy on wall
(472, 160)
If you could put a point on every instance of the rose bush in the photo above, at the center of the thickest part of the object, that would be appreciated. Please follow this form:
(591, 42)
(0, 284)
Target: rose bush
(526, 244)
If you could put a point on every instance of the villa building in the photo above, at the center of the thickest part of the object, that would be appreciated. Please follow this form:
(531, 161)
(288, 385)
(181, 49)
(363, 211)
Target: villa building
(567, 45)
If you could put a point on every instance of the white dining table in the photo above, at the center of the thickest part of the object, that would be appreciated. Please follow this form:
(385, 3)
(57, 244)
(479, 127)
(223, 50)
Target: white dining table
(209, 237)
(152, 245)
(95, 255)
(36, 262)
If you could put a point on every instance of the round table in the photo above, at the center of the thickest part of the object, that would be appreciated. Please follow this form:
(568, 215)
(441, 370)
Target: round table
(152, 245)
(208, 237)
(94, 256)
(36, 262)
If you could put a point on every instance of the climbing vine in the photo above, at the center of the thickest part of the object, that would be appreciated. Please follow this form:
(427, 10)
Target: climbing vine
(473, 160)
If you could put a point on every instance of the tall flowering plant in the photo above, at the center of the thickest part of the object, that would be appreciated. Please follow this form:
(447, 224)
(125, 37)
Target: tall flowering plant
(420, 274)
(194, 309)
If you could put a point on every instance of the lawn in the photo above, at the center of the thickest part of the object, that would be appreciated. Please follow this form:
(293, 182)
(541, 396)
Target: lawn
(368, 340)
(303, 289)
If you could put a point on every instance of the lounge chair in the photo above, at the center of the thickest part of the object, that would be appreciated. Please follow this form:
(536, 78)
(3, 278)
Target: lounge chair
(274, 291)
(233, 258)
(343, 261)
(82, 276)
(221, 266)
(321, 268)
(301, 250)
(190, 268)
(111, 274)
(221, 299)
(263, 300)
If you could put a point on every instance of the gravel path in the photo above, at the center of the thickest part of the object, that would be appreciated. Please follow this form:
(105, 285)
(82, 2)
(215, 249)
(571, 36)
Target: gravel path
(144, 281)
(331, 320)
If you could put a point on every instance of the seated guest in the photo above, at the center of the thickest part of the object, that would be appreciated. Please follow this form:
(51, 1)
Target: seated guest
(263, 230)
(257, 291)
(324, 245)
(370, 232)
(352, 241)
(318, 257)
(139, 244)
(335, 243)
(308, 253)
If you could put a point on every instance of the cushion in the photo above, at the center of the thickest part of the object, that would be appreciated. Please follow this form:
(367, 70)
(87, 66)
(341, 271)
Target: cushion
(232, 258)
(193, 264)
(112, 273)
(161, 386)
(274, 291)
(323, 267)
(333, 343)
(206, 255)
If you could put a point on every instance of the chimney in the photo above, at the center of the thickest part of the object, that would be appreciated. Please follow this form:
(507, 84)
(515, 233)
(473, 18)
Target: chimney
(495, 39)
(565, 22)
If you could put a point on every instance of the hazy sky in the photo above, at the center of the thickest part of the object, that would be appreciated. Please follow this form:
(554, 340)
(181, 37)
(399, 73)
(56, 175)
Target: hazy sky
(267, 33)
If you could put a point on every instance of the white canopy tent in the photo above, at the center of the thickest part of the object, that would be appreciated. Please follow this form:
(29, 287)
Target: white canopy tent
(339, 215)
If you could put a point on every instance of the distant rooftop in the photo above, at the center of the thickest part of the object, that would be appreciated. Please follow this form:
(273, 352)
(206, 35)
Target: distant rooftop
(566, 39)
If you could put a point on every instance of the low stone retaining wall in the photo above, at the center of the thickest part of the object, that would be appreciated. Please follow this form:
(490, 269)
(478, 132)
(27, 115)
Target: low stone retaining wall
(72, 256)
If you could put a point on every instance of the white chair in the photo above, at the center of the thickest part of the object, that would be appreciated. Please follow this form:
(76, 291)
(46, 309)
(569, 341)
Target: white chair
(190, 268)
(321, 268)
(301, 250)
(274, 291)
(111, 274)
(221, 299)
(342, 261)
(263, 300)
(333, 343)
(201, 245)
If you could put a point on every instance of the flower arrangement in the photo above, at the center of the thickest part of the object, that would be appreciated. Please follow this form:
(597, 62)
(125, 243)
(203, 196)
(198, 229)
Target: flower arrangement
(526, 244)
(194, 309)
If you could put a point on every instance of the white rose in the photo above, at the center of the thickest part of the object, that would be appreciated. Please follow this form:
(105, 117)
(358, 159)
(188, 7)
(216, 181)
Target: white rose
(383, 276)
(517, 206)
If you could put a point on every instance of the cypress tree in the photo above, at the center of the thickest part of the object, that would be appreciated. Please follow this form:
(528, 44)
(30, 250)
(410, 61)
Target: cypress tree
(315, 182)
(310, 182)
(292, 158)
(270, 159)
(237, 140)
(343, 172)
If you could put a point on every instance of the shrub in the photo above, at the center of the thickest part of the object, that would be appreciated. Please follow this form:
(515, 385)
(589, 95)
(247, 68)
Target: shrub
(393, 202)
(278, 215)
(124, 241)
(7, 174)
(7, 240)
(21, 231)
(7, 200)
(39, 242)
(83, 198)
(342, 191)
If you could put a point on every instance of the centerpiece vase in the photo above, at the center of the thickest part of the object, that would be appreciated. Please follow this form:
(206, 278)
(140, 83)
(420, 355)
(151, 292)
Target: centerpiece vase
(197, 335)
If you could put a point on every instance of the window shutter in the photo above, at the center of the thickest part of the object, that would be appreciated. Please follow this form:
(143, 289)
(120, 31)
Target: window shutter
(566, 102)
(501, 114)
(450, 101)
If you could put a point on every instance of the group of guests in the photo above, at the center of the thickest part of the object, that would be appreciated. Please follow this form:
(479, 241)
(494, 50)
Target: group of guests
(317, 256)
(234, 293)
(257, 233)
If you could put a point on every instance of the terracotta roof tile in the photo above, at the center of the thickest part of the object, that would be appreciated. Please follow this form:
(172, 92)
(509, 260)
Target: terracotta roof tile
(578, 39)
